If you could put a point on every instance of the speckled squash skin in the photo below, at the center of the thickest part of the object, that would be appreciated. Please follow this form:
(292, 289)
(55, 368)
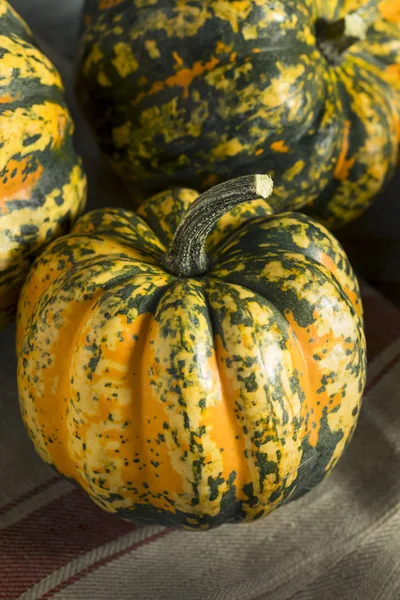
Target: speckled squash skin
(191, 401)
(196, 92)
(42, 184)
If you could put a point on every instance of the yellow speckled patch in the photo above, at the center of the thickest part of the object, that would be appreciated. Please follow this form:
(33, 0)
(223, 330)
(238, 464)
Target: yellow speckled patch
(188, 20)
(232, 12)
(93, 58)
(29, 62)
(152, 48)
(124, 60)
(73, 196)
(45, 124)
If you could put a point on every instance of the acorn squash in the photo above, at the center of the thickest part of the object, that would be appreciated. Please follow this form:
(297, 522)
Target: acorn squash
(42, 183)
(196, 92)
(197, 363)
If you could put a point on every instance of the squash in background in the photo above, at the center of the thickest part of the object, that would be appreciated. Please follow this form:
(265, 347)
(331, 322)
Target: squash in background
(191, 379)
(42, 184)
(196, 92)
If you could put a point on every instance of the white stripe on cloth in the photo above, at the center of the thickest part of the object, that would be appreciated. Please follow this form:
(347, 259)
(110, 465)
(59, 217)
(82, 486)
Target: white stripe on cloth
(22, 509)
(30, 491)
(78, 565)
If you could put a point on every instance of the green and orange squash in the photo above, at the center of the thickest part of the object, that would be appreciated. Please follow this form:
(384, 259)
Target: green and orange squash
(42, 184)
(198, 362)
(195, 92)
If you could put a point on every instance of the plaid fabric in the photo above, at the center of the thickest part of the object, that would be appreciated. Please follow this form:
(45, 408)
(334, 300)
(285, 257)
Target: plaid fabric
(340, 541)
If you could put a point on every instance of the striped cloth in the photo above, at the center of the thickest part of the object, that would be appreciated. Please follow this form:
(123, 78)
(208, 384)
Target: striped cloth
(342, 541)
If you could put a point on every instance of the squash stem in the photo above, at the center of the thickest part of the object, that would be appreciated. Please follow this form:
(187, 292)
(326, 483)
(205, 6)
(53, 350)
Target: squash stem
(187, 256)
(336, 37)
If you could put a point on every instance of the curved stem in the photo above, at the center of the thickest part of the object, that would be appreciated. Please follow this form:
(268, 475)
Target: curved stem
(334, 38)
(187, 256)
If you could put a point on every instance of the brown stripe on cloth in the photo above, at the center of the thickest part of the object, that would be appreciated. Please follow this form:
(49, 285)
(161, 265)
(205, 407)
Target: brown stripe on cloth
(50, 538)
(29, 495)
